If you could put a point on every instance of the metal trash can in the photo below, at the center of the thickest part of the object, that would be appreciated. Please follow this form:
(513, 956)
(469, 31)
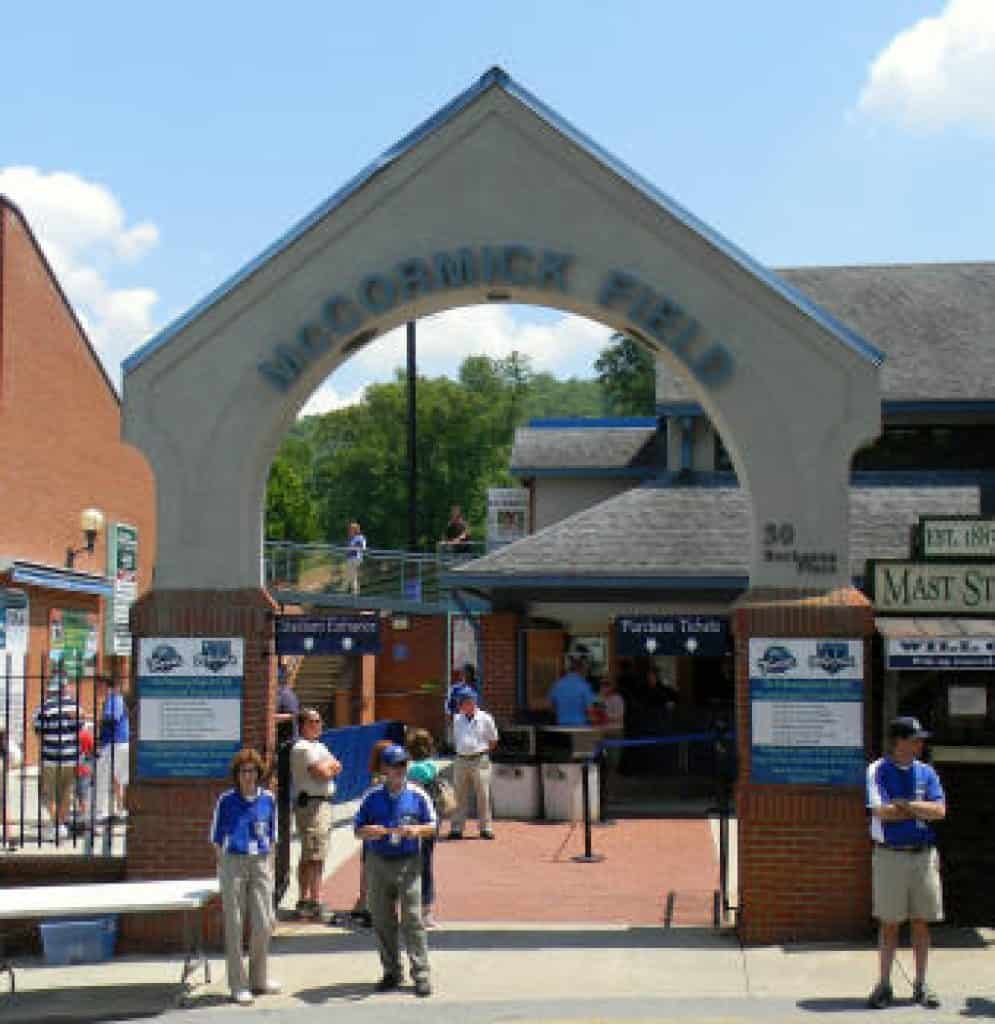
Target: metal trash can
(562, 792)
(515, 791)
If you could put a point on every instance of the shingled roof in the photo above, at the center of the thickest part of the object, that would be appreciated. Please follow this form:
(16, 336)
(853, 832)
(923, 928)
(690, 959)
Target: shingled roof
(700, 532)
(587, 448)
(935, 322)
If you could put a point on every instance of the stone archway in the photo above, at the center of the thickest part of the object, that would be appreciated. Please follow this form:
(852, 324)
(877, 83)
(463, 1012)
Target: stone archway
(495, 199)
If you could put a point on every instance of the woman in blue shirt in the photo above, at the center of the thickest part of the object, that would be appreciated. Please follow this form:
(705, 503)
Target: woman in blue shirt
(244, 834)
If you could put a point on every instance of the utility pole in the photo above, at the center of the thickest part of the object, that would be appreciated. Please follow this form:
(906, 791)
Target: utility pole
(412, 437)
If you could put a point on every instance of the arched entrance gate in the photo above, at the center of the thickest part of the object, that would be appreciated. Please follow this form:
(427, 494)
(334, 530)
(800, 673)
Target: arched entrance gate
(497, 199)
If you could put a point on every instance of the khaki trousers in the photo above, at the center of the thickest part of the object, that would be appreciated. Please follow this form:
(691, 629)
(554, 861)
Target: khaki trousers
(246, 891)
(475, 772)
(391, 881)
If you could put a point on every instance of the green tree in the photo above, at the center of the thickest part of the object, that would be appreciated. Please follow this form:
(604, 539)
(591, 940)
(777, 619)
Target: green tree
(291, 511)
(627, 375)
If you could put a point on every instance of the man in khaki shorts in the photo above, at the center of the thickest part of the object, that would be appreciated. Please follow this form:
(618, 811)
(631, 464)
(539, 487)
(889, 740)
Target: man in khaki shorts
(904, 796)
(313, 768)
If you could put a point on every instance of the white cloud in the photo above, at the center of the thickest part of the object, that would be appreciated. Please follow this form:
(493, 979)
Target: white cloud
(564, 345)
(327, 399)
(82, 229)
(938, 72)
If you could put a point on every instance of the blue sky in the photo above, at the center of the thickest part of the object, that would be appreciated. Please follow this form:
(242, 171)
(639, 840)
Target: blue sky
(156, 149)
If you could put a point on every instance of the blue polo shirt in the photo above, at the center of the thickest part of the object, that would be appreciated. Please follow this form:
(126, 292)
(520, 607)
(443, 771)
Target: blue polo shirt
(571, 696)
(887, 781)
(412, 806)
(114, 721)
(244, 826)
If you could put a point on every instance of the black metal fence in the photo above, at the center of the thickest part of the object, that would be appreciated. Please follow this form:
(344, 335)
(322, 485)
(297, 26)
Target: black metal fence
(64, 757)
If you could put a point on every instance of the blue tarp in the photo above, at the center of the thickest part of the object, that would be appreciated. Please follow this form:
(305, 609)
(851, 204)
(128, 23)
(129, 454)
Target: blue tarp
(352, 744)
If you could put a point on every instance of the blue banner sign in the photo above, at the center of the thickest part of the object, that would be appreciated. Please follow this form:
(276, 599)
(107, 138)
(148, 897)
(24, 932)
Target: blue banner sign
(334, 634)
(705, 636)
(807, 711)
(964, 653)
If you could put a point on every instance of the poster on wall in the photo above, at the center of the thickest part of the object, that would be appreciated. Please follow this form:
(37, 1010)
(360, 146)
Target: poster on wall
(189, 706)
(463, 643)
(13, 651)
(507, 515)
(122, 571)
(807, 711)
(72, 642)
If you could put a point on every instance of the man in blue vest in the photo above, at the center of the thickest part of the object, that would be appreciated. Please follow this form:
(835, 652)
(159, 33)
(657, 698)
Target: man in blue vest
(904, 797)
(391, 820)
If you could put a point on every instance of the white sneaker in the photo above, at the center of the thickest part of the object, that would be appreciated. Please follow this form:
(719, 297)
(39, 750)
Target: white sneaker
(271, 988)
(243, 997)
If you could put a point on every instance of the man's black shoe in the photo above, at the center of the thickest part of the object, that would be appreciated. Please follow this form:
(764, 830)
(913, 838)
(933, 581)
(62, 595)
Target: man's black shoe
(388, 983)
(925, 996)
(487, 834)
(423, 987)
(880, 997)
(455, 835)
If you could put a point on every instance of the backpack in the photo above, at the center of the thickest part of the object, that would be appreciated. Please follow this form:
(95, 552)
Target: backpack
(443, 796)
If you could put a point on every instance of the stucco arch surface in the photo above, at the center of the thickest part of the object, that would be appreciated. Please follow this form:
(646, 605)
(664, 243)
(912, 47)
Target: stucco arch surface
(791, 396)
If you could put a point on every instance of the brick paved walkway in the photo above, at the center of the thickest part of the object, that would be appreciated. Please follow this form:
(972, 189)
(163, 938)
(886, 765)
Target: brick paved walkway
(527, 875)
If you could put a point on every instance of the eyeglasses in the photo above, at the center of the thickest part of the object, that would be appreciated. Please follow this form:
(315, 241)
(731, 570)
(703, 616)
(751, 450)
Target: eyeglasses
(248, 769)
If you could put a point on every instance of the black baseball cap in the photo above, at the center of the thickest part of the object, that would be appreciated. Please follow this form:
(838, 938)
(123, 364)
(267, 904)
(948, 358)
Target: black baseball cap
(907, 728)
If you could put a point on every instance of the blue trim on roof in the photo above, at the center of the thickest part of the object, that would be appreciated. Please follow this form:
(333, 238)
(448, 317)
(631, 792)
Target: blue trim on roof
(703, 478)
(60, 579)
(517, 582)
(593, 422)
(921, 477)
(679, 409)
(586, 472)
(497, 76)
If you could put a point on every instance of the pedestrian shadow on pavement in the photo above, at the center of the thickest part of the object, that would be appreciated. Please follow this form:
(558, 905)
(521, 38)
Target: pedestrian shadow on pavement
(841, 1004)
(350, 991)
(89, 1005)
(454, 937)
(978, 1006)
(941, 937)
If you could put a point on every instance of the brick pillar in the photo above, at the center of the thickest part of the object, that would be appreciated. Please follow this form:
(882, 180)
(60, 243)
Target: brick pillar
(499, 641)
(169, 819)
(804, 851)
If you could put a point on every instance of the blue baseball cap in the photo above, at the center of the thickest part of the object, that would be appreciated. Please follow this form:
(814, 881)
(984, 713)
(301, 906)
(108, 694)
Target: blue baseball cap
(394, 755)
(907, 728)
(462, 693)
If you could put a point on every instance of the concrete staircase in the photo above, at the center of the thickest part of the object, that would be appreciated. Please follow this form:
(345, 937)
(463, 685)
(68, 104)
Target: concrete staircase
(317, 680)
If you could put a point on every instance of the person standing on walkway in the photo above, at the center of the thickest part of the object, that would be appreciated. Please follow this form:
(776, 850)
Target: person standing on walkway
(392, 819)
(571, 696)
(58, 723)
(243, 831)
(313, 768)
(361, 910)
(112, 756)
(423, 772)
(905, 796)
(474, 736)
(356, 545)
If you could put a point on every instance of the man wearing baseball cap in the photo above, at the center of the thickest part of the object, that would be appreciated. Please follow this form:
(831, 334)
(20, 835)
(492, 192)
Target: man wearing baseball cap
(391, 820)
(905, 797)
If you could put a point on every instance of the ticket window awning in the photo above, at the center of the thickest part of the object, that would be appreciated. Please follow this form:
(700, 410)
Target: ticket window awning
(934, 628)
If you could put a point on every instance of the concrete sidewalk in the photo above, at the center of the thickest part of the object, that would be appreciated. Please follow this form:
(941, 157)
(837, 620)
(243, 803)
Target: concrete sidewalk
(485, 971)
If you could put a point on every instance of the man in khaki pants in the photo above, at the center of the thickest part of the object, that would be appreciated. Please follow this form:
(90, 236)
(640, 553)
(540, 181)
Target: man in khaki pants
(474, 735)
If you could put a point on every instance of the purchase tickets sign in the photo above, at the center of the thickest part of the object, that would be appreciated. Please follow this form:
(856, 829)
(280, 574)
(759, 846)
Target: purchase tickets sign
(189, 706)
(671, 635)
(807, 711)
(947, 588)
(334, 634)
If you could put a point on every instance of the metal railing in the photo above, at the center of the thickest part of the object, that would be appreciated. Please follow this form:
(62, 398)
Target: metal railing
(378, 574)
(61, 786)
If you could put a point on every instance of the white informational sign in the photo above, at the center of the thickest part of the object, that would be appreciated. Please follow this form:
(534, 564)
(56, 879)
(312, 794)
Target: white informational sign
(507, 515)
(189, 705)
(968, 700)
(13, 652)
(122, 570)
(807, 711)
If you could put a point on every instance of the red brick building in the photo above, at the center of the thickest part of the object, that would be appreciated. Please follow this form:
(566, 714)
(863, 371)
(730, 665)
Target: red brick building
(61, 452)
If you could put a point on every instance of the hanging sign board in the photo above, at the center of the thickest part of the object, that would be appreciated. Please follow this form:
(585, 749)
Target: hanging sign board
(954, 537)
(333, 634)
(189, 706)
(72, 642)
(947, 588)
(705, 636)
(807, 711)
(507, 515)
(122, 570)
(961, 653)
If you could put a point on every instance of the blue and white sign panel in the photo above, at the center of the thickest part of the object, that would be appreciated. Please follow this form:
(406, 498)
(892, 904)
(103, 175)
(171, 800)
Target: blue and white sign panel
(189, 706)
(332, 634)
(806, 698)
(921, 653)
